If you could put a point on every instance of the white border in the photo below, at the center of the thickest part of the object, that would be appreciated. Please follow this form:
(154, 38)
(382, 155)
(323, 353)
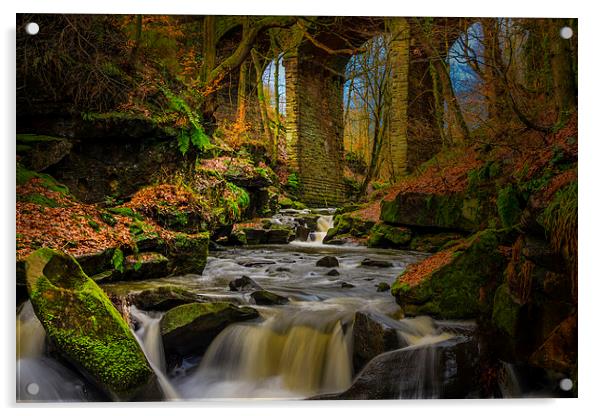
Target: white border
(590, 150)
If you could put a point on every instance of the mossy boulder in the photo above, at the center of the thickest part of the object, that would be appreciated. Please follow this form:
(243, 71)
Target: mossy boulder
(148, 295)
(145, 266)
(433, 242)
(189, 329)
(39, 152)
(275, 234)
(388, 236)
(84, 327)
(187, 253)
(96, 262)
(287, 203)
(456, 211)
(348, 225)
(454, 284)
(506, 312)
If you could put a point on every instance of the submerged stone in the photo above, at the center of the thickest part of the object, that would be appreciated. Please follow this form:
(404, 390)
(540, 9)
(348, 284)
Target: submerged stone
(328, 261)
(263, 297)
(376, 263)
(243, 284)
(84, 326)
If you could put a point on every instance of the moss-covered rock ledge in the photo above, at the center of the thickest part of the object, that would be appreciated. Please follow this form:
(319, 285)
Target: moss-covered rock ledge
(457, 283)
(84, 327)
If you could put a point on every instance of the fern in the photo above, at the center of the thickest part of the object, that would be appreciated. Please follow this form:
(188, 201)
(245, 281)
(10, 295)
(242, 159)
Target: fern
(183, 142)
(195, 134)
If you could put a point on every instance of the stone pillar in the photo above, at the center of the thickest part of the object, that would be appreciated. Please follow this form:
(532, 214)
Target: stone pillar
(292, 111)
(395, 146)
(314, 126)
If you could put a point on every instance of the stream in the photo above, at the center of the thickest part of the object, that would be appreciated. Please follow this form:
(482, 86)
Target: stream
(298, 350)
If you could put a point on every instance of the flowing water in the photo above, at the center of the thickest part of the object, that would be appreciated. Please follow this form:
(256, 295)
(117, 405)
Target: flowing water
(297, 350)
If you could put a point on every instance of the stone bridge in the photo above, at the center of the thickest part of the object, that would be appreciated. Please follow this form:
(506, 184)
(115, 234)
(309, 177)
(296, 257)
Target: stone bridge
(315, 78)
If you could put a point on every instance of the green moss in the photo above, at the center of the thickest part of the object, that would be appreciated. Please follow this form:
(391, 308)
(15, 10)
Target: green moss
(126, 212)
(83, 323)
(108, 219)
(118, 260)
(452, 291)
(293, 182)
(508, 206)
(25, 175)
(36, 138)
(183, 315)
(559, 219)
(38, 199)
(387, 236)
(505, 311)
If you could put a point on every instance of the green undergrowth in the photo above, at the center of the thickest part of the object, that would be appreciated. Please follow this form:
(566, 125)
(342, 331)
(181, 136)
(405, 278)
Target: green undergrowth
(559, 219)
(24, 175)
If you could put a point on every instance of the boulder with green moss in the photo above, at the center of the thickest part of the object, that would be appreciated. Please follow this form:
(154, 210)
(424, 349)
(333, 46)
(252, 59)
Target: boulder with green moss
(388, 236)
(39, 152)
(84, 327)
(433, 242)
(152, 296)
(190, 328)
(456, 211)
(348, 226)
(145, 266)
(187, 253)
(455, 283)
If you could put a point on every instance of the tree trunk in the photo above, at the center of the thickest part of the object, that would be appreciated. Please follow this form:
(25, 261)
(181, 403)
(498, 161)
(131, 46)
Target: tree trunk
(460, 132)
(259, 68)
(565, 88)
(137, 38)
(209, 59)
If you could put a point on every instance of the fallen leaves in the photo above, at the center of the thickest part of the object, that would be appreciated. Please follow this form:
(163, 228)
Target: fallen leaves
(444, 174)
(416, 273)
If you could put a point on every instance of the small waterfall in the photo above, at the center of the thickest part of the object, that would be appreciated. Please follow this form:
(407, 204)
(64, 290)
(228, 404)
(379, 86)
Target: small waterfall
(30, 333)
(41, 378)
(288, 355)
(149, 338)
(324, 224)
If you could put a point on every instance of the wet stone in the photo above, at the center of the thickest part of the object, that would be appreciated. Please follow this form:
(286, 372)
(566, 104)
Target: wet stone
(243, 284)
(376, 263)
(328, 261)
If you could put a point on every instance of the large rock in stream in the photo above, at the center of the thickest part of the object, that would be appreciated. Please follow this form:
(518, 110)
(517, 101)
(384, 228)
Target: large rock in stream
(446, 370)
(84, 327)
(189, 329)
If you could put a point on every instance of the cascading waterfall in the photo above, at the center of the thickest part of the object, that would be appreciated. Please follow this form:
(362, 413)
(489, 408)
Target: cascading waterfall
(324, 224)
(41, 378)
(149, 338)
(421, 339)
(287, 355)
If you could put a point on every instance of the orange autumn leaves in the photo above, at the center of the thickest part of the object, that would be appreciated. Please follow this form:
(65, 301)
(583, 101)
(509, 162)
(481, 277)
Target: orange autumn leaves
(71, 226)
